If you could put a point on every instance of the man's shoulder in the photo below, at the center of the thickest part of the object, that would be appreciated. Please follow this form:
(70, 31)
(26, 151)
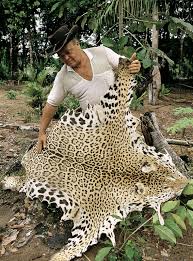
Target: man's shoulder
(96, 49)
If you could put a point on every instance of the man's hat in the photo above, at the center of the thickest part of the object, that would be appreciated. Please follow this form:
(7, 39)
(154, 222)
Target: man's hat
(60, 38)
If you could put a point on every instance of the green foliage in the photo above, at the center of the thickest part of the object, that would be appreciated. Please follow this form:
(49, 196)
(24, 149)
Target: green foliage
(137, 102)
(70, 102)
(177, 213)
(129, 252)
(11, 95)
(35, 88)
(183, 123)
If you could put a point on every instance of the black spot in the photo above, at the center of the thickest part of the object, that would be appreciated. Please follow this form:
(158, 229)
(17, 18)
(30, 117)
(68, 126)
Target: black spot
(32, 190)
(64, 118)
(52, 199)
(72, 121)
(42, 190)
(90, 124)
(63, 201)
(41, 197)
(107, 95)
(82, 121)
(87, 115)
(71, 112)
(48, 198)
(53, 205)
(51, 193)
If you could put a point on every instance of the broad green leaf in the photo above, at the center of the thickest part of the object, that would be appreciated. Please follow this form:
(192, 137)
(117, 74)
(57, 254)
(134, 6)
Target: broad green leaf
(190, 203)
(129, 251)
(165, 233)
(188, 190)
(170, 205)
(190, 217)
(141, 54)
(171, 224)
(179, 221)
(108, 42)
(187, 27)
(122, 42)
(55, 6)
(61, 12)
(146, 63)
(130, 51)
(92, 23)
(181, 211)
(102, 253)
(83, 22)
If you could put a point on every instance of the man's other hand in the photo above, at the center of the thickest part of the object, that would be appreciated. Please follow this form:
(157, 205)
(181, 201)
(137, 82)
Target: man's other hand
(135, 65)
(41, 142)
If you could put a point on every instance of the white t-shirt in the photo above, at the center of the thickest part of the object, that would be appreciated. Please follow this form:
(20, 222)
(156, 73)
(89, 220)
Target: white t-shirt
(103, 60)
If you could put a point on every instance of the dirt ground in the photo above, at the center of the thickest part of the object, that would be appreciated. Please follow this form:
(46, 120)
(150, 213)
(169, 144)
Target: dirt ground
(31, 238)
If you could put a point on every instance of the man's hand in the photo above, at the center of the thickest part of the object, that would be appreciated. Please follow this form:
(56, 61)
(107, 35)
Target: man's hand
(41, 142)
(135, 65)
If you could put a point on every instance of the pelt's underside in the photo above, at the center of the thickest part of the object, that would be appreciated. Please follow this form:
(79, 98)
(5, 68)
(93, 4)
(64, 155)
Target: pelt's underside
(96, 166)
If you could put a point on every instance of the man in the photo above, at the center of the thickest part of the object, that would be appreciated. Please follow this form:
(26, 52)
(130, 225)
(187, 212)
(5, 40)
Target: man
(87, 74)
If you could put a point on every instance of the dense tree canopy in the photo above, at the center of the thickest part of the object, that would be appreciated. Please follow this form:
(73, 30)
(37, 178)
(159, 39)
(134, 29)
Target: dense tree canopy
(123, 24)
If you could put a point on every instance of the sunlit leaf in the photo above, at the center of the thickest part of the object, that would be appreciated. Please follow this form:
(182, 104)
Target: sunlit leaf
(181, 211)
(190, 203)
(188, 190)
(170, 205)
(190, 217)
(170, 223)
(146, 63)
(179, 221)
(55, 6)
(165, 233)
(102, 253)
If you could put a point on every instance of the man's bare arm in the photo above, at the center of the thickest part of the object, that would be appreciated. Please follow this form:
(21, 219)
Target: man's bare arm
(47, 116)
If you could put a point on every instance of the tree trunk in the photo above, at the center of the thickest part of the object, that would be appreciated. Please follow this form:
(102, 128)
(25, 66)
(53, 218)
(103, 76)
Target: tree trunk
(120, 19)
(30, 46)
(153, 137)
(155, 86)
(11, 55)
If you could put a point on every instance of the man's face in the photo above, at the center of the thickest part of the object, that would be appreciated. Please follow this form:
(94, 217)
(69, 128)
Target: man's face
(71, 54)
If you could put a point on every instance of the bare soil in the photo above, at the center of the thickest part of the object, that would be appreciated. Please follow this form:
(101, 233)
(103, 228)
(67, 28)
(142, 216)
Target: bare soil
(35, 233)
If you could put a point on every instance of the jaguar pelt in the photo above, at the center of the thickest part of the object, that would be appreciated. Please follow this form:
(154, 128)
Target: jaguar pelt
(96, 166)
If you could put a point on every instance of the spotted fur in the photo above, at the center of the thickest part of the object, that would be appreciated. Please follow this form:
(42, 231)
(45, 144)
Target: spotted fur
(97, 166)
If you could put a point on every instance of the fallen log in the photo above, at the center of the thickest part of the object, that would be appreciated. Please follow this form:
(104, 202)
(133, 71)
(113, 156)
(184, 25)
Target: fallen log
(180, 142)
(18, 127)
(154, 137)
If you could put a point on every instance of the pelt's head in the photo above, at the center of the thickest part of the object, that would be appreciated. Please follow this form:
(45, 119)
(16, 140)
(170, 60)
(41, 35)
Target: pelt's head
(123, 69)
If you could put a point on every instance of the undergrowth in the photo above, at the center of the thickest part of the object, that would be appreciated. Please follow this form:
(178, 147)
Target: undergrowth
(177, 214)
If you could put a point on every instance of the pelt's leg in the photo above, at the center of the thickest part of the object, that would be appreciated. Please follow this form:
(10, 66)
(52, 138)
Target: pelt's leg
(83, 234)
